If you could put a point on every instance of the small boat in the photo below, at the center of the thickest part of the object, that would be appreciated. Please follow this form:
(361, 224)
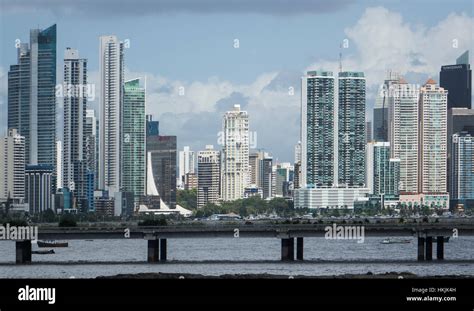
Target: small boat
(52, 244)
(394, 241)
(51, 251)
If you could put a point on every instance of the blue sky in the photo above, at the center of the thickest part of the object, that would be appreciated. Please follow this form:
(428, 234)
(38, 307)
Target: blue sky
(190, 44)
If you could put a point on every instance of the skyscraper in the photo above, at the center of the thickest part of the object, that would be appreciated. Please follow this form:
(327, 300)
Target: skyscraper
(162, 152)
(133, 139)
(380, 116)
(111, 67)
(282, 172)
(254, 168)
(12, 166)
(457, 80)
(74, 139)
(265, 176)
(462, 167)
(459, 120)
(38, 187)
(317, 129)
(403, 133)
(433, 135)
(90, 133)
(298, 152)
(186, 164)
(383, 172)
(351, 129)
(368, 131)
(209, 171)
(235, 154)
(59, 164)
(32, 98)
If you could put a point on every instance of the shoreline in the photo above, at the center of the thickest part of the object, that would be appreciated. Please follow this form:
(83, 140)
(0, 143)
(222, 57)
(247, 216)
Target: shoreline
(267, 276)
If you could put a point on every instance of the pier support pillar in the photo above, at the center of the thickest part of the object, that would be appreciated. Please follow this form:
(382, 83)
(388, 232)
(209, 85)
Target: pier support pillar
(153, 250)
(287, 249)
(440, 247)
(429, 248)
(299, 248)
(23, 251)
(421, 249)
(163, 249)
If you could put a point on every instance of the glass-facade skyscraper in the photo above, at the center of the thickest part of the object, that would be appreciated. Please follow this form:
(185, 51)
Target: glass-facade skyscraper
(462, 167)
(209, 176)
(383, 172)
(457, 80)
(32, 96)
(133, 138)
(380, 116)
(317, 129)
(351, 129)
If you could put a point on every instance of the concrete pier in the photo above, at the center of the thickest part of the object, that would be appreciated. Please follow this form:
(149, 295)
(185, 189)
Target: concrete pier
(440, 247)
(287, 249)
(153, 250)
(421, 249)
(163, 249)
(429, 248)
(299, 248)
(23, 252)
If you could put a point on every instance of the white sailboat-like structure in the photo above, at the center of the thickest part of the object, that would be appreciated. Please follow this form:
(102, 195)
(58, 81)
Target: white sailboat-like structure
(152, 190)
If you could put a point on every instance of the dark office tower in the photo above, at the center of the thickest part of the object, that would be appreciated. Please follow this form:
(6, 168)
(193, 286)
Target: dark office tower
(457, 80)
(38, 186)
(209, 176)
(162, 151)
(351, 129)
(32, 97)
(380, 117)
(265, 176)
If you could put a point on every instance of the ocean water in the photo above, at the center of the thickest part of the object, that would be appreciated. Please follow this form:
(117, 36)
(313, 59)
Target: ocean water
(217, 256)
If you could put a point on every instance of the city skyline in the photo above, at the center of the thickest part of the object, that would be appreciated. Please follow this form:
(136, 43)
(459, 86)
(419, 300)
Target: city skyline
(264, 88)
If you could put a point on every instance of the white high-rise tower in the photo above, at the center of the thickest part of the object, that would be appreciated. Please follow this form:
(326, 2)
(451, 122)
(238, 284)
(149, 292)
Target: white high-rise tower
(403, 133)
(111, 83)
(433, 138)
(235, 154)
(12, 165)
(75, 103)
(186, 164)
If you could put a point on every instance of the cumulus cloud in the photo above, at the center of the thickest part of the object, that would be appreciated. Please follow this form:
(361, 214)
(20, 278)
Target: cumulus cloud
(141, 7)
(381, 40)
(193, 110)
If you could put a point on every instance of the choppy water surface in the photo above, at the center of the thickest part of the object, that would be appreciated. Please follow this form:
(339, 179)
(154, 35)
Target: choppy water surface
(89, 259)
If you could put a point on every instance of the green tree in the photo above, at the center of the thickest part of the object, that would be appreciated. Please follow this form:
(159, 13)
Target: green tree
(187, 198)
(48, 216)
(67, 220)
